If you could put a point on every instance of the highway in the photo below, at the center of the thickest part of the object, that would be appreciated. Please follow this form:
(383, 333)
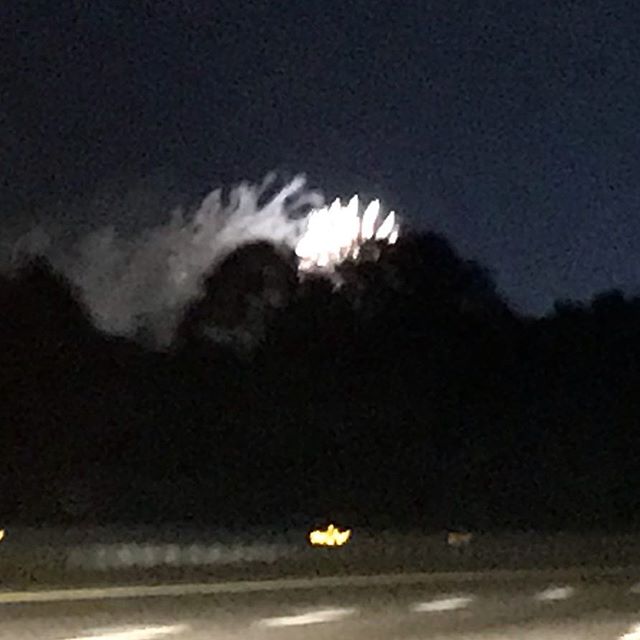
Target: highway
(505, 606)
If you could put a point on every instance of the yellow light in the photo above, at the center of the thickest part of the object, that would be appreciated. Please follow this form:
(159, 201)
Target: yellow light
(329, 537)
(1, 534)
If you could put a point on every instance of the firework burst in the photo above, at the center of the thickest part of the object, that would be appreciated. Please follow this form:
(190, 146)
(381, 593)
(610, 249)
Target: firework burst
(336, 232)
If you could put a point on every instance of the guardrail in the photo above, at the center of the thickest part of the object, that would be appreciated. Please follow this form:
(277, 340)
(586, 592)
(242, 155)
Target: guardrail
(112, 556)
(30, 556)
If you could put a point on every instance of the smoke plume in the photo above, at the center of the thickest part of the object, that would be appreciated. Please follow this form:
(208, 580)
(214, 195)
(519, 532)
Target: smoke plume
(143, 283)
(140, 286)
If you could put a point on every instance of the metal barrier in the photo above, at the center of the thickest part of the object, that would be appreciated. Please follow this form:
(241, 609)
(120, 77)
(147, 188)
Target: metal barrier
(47, 555)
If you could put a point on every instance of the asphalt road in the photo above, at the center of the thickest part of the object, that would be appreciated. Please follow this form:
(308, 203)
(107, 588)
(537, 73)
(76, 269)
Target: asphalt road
(505, 607)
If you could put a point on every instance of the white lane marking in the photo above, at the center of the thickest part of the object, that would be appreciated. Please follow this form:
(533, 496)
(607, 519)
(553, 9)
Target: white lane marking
(632, 634)
(137, 633)
(312, 617)
(555, 593)
(442, 604)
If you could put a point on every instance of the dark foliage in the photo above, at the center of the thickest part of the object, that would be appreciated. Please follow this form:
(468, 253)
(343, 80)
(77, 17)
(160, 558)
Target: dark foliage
(411, 394)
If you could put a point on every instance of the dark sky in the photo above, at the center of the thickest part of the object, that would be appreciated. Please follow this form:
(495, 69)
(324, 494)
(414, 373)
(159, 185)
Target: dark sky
(510, 126)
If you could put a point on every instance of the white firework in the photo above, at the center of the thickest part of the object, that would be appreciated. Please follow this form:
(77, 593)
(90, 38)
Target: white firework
(145, 281)
(336, 232)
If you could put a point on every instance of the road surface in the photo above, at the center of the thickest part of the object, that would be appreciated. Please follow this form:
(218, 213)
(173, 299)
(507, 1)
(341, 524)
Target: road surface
(407, 607)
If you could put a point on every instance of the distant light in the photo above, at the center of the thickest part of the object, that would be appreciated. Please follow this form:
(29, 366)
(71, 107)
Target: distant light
(459, 538)
(1, 535)
(329, 537)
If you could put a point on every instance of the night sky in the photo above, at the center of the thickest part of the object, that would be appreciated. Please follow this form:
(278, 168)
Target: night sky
(512, 127)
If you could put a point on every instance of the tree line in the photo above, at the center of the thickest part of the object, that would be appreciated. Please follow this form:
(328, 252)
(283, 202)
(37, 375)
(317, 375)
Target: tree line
(411, 394)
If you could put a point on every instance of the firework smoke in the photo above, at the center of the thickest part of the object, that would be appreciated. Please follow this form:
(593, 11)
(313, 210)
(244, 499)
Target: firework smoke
(144, 283)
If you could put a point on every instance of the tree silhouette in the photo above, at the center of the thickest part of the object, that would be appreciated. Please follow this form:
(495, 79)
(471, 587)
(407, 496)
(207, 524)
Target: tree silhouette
(401, 388)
